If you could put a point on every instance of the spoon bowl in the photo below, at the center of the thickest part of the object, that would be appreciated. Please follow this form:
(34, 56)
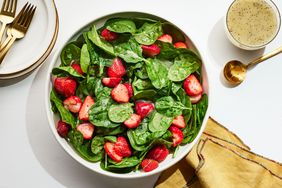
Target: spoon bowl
(235, 72)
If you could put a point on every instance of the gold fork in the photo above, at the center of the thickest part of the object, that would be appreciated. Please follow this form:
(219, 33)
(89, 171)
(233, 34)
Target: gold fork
(18, 28)
(7, 14)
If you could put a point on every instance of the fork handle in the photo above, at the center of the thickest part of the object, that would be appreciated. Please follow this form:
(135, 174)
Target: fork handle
(2, 30)
(6, 41)
(4, 51)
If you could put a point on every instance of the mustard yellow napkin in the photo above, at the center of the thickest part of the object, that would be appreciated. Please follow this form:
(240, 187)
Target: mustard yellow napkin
(221, 160)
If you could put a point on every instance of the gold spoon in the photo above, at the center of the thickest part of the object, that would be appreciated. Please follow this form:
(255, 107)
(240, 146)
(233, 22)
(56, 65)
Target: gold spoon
(235, 71)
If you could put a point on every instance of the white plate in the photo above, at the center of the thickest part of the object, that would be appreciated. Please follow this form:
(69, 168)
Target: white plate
(35, 44)
(53, 118)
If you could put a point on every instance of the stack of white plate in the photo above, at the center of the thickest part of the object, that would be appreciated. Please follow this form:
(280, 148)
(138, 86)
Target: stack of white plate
(31, 51)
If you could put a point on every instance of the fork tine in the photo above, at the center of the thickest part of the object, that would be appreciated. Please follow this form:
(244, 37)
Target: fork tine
(3, 5)
(26, 24)
(14, 6)
(19, 16)
(27, 14)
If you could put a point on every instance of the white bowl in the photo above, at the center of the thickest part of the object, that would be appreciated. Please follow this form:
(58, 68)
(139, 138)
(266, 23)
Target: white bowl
(53, 118)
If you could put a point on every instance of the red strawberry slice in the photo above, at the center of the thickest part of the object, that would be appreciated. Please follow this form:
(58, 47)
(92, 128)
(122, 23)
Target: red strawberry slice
(109, 148)
(192, 86)
(129, 88)
(179, 122)
(122, 148)
(116, 69)
(143, 108)
(150, 50)
(108, 35)
(63, 128)
(73, 104)
(195, 99)
(133, 122)
(120, 93)
(177, 135)
(180, 45)
(83, 113)
(77, 68)
(65, 86)
(149, 165)
(111, 82)
(86, 129)
(158, 153)
(165, 38)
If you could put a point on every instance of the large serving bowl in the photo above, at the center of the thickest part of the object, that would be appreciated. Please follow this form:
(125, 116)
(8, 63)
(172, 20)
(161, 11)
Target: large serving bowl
(53, 118)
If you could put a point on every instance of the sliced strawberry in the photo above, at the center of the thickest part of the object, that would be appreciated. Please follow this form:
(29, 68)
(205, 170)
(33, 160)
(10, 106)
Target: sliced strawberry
(192, 86)
(149, 165)
(65, 86)
(195, 99)
(150, 50)
(120, 93)
(165, 38)
(117, 69)
(129, 88)
(111, 82)
(180, 45)
(109, 148)
(86, 129)
(143, 108)
(179, 122)
(122, 147)
(63, 128)
(177, 135)
(158, 153)
(73, 104)
(133, 122)
(83, 113)
(77, 68)
(108, 35)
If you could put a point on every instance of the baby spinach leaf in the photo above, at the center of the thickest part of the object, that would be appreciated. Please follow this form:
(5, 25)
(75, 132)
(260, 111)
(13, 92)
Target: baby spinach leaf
(97, 144)
(110, 131)
(65, 71)
(141, 73)
(75, 138)
(142, 84)
(66, 115)
(94, 57)
(70, 52)
(159, 122)
(169, 107)
(98, 113)
(133, 142)
(185, 100)
(118, 113)
(111, 138)
(86, 153)
(144, 94)
(130, 51)
(84, 58)
(126, 162)
(148, 33)
(121, 25)
(104, 45)
(157, 72)
(183, 66)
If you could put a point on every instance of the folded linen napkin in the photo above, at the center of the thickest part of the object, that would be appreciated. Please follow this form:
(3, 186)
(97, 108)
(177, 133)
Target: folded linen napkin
(221, 159)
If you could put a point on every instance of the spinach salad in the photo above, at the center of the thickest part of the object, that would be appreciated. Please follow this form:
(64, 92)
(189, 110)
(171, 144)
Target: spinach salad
(128, 94)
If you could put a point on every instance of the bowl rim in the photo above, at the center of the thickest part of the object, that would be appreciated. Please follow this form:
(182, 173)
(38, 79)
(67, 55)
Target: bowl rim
(63, 143)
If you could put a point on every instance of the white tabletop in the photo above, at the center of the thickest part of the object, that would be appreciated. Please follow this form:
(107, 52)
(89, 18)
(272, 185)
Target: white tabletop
(30, 155)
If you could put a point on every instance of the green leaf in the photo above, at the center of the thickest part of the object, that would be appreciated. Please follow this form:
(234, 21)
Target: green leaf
(75, 138)
(130, 51)
(85, 152)
(148, 33)
(145, 94)
(169, 107)
(182, 68)
(111, 138)
(157, 72)
(142, 84)
(126, 163)
(65, 71)
(104, 45)
(159, 122)
(110, 131)
(84, 58)
(121, 25)
(66, 115)
(97, 144)
(70, 53)
(118, 113)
